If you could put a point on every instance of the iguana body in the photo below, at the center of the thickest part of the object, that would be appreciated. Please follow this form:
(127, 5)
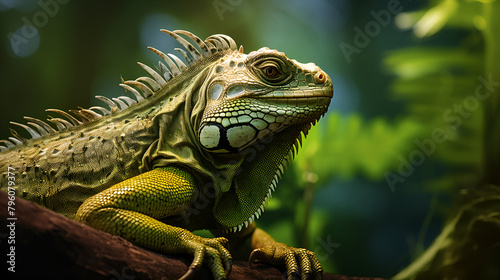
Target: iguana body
(201, 149)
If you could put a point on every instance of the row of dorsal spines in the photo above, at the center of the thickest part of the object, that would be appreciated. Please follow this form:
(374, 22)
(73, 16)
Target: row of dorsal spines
(141, 88)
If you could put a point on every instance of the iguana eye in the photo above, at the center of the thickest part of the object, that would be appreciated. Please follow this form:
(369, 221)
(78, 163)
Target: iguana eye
(271, 71)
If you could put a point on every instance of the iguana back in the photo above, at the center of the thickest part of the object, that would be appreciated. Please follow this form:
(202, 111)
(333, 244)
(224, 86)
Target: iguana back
(86, 151)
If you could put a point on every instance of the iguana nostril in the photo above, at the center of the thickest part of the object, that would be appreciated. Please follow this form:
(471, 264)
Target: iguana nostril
(320, 77)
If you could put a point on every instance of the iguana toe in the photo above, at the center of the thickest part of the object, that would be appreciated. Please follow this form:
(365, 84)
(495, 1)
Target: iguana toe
(299, 263)
(214, 252)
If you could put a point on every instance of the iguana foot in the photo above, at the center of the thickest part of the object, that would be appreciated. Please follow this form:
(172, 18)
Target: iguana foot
(298, 261)
(213, 251)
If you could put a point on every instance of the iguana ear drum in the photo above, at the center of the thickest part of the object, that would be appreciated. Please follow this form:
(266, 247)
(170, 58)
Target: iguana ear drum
(216, 138)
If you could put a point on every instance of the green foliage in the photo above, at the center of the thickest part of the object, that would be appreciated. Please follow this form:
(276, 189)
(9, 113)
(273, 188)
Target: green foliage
(346, 146)
(445, 13)
(446, 88)
(438, 86)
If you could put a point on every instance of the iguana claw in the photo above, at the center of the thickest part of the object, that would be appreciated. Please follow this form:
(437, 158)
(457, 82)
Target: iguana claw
(191, 273)
(298, 262)
(253, 257)
(213, 251)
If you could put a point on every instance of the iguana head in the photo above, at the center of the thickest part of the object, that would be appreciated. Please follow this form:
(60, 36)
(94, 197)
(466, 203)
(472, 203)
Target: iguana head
(251, 97)
(257, 106)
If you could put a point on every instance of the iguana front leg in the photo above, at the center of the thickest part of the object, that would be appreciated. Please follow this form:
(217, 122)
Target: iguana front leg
(297, 261)
(132, 208)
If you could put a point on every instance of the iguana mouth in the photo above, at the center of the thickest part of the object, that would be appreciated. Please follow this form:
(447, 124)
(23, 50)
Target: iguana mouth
(313, 96)
(325, 93)
(297, 100)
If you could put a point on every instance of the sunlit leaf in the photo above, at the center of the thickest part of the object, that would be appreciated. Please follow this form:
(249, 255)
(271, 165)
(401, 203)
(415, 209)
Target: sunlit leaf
(349, 146)
(435, 18)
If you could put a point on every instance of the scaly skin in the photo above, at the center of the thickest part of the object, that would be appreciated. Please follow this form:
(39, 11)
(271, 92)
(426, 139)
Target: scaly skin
(203, 150)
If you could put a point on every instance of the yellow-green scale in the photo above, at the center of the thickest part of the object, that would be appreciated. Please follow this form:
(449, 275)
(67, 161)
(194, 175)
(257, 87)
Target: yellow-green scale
(131, 209)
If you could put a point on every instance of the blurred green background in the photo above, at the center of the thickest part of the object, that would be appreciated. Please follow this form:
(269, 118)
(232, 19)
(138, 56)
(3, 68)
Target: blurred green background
(371, 188)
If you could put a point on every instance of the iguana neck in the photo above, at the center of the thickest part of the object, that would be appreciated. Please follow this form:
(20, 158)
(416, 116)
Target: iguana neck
(257, 172)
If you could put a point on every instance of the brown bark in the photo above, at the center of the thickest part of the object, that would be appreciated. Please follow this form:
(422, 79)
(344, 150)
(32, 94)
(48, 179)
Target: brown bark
(51, 246)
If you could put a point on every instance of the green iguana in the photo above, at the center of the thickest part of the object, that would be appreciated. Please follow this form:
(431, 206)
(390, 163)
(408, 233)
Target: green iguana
(200, 146)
